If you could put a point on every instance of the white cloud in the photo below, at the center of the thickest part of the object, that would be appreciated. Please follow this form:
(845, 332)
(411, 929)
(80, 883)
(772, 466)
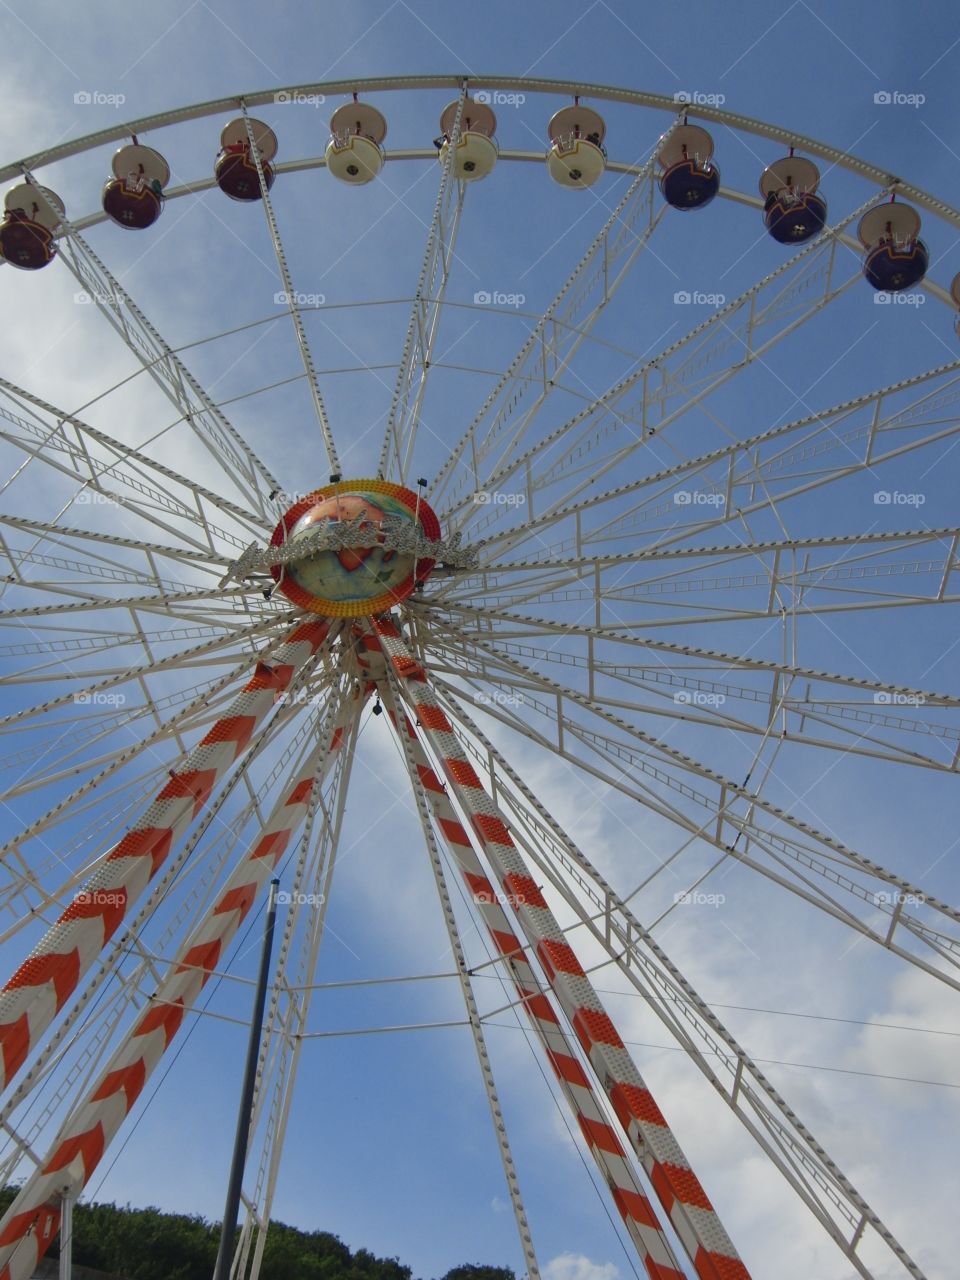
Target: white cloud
(574, 1266)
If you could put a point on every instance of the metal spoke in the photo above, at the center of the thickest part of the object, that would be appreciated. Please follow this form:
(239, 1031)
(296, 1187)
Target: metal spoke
(292, 309)
(392, 695)
(224, 443)
(416, 359)
(808, 850)
(861, 447)
(554, 341)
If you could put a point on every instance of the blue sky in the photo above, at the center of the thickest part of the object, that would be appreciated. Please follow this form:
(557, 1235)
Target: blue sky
(366, 1159)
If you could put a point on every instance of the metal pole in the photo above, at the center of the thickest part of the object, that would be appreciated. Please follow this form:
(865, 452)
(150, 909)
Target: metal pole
(66, 1233)
(222, 1270)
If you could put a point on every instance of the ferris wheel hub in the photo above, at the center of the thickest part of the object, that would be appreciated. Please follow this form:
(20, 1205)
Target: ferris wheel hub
(363, 547)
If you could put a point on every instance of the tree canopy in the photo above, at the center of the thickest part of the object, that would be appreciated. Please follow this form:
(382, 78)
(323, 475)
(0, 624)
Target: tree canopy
(146, 1244)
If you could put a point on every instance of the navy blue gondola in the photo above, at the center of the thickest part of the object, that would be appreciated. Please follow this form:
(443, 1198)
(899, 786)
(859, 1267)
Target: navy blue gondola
(793, 211)
(689, 179)
(896, 257)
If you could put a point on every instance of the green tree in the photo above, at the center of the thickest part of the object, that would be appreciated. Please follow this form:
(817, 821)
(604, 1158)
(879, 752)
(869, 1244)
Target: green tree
(146, 1244)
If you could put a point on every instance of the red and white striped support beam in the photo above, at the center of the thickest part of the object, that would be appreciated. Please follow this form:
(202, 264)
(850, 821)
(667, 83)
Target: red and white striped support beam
(639, 1215)
(679, 1190)
(32, 1221)
(48, 977)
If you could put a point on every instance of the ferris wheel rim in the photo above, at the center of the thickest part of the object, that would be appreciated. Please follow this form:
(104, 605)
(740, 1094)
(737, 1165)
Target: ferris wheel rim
(610, 93)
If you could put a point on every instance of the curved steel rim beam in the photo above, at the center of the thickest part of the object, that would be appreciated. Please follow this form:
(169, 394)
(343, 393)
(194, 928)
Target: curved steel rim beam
(566, 88)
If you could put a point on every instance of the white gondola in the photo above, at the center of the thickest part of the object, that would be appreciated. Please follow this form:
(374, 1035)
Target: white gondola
(576, 157)
(354, 153)
(474, 149)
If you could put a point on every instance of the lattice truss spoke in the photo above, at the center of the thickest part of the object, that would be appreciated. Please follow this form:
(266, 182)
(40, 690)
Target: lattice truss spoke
(178, 726)
(742, 694)
(756, 472)
(737, 581)
(730, 814)
(619, 425)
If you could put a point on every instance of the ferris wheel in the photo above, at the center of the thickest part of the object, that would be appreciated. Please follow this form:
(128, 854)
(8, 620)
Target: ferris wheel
(579, 539)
